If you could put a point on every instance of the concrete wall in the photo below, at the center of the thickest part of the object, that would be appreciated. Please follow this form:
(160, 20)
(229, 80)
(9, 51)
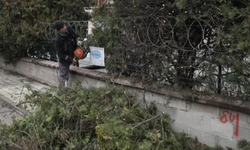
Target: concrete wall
(213, 120)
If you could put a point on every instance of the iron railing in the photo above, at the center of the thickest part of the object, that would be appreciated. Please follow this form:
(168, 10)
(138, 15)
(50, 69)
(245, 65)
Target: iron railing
(190, 54)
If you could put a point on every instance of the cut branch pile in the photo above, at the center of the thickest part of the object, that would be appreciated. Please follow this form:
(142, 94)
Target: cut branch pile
(87, 119)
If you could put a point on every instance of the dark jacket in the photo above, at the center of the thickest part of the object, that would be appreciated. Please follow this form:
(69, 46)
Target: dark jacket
(65, 45)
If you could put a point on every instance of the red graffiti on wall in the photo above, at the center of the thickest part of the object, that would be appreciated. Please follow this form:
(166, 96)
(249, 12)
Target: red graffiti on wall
(228, 116)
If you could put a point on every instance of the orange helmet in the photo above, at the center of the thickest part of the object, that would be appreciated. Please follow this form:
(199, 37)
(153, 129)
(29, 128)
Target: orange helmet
(79, 53)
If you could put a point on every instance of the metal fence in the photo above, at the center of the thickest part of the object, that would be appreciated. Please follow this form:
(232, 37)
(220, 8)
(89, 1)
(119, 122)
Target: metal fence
(190, 54)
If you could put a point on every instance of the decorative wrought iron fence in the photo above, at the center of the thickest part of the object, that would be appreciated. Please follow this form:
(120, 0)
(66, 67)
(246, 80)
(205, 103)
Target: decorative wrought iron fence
(189, 54)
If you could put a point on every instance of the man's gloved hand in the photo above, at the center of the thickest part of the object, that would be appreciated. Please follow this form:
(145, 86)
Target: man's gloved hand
(74, 62)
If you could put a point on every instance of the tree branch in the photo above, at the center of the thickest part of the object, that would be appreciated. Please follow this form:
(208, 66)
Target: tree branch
(143, 122)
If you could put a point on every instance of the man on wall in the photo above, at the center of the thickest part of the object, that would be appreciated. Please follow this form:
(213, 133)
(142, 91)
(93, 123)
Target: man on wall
(65, 44)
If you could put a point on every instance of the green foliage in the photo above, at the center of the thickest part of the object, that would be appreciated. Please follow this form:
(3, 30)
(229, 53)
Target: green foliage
(103, 118)
(182, 59)
(19, 24)
(243, 145)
